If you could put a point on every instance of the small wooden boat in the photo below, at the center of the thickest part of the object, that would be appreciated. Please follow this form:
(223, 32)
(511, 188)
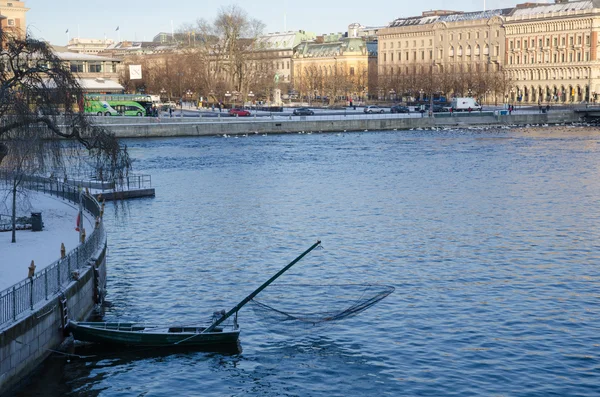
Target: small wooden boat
(216, 335)
(139, 334)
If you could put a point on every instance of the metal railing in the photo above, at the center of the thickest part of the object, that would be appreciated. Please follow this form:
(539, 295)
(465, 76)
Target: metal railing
(25, 295)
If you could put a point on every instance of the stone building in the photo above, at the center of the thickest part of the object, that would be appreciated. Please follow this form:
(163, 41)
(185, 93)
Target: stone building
(442, 51)
(88, 46)
(551, 54)
(96, 74)
(336, 66)
(15, 13)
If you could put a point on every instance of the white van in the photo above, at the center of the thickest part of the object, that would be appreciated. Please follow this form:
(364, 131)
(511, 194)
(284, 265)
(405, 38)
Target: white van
(464, 104)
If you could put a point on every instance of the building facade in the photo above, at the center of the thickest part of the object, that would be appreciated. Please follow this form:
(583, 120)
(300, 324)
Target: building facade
(551, 52)
(15, 13)
(88, 46)
(96, 74)
(531, 53)
(442, 52)
(336, 67)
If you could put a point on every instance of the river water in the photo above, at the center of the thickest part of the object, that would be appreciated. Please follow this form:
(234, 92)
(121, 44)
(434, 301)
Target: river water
(490, 238)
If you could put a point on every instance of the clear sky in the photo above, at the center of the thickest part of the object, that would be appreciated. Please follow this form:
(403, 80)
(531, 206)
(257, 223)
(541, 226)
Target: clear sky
(143, 19)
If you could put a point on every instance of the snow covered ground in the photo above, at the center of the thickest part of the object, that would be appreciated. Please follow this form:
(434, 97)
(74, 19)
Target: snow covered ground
(59, 217)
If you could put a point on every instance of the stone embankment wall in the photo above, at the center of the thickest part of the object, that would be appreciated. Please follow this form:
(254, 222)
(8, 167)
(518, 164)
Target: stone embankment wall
(130, 127)
(29, 340)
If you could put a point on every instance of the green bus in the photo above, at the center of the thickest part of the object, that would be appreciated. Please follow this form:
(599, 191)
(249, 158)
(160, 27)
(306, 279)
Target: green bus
(117, 104)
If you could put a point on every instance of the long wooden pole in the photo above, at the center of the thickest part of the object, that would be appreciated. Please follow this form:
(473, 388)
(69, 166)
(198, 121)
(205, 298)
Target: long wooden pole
(259, 289)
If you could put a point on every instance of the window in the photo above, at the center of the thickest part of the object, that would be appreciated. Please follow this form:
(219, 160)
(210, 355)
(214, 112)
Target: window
(399, 44)
(571, 40)
(95, 67)
(384, 46)
(11, 22)
(460, 36)
(391, 45)
(77, 67)
(469, 36)
(351, 71)
(384, 57)
(555, 41)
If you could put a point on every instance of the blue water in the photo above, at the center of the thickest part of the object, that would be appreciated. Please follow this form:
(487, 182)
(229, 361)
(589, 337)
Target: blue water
(490, 238)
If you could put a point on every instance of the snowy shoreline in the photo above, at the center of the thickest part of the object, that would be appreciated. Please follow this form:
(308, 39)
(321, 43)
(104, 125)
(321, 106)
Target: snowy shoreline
(59, 218)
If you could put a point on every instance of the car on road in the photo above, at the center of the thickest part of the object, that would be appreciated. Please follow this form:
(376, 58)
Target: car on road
(373, 109)
(239, 112)
(399, 109)
(303, 112)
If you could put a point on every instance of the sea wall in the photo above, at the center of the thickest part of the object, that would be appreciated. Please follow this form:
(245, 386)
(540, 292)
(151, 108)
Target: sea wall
(130, 127)
(29, 340)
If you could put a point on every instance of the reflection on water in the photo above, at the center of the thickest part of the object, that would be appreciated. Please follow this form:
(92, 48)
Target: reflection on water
(489, 237)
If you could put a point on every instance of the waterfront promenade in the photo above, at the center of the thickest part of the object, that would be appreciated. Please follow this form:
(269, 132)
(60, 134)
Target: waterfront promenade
(59, 217)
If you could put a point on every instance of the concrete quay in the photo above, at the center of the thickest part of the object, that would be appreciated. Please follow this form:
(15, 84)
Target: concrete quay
(129, 127)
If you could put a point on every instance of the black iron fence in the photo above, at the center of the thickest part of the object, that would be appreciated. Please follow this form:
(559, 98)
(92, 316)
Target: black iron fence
(26, 294)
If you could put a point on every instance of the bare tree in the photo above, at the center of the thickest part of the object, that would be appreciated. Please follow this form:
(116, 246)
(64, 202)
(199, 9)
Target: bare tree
(40, 99)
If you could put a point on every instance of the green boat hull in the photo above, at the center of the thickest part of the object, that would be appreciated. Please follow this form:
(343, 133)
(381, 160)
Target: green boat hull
(133, 334)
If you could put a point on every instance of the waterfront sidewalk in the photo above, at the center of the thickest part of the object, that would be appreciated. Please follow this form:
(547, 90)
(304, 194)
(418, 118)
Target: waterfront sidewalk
(59, 218)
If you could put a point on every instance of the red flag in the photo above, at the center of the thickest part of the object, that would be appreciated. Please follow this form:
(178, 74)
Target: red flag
(77, 226)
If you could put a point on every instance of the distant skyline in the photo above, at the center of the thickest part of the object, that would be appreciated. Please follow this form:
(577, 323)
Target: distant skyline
(142, 20)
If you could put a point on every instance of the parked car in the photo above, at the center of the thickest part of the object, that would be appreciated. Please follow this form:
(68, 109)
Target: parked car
(303, 112)
(239, 112)
(374, 109)
(399, 109)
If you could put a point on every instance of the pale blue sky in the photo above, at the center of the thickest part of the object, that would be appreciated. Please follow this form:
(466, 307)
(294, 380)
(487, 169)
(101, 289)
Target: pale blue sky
(141, 20)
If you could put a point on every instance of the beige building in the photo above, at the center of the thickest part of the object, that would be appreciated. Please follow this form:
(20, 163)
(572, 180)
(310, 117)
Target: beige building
(88, 46)
(336, 66)
(444, 52)
(551, 54)
(95, 74)
(15, 13)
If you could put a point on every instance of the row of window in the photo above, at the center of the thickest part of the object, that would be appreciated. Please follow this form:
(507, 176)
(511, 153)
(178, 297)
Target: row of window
(92, 67)
(530, 43)
(421, 55)
(438, 69)
(468, 35)
(548, 58)
(552, 74)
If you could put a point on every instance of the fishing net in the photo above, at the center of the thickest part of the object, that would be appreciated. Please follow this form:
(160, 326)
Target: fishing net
(316, 304)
